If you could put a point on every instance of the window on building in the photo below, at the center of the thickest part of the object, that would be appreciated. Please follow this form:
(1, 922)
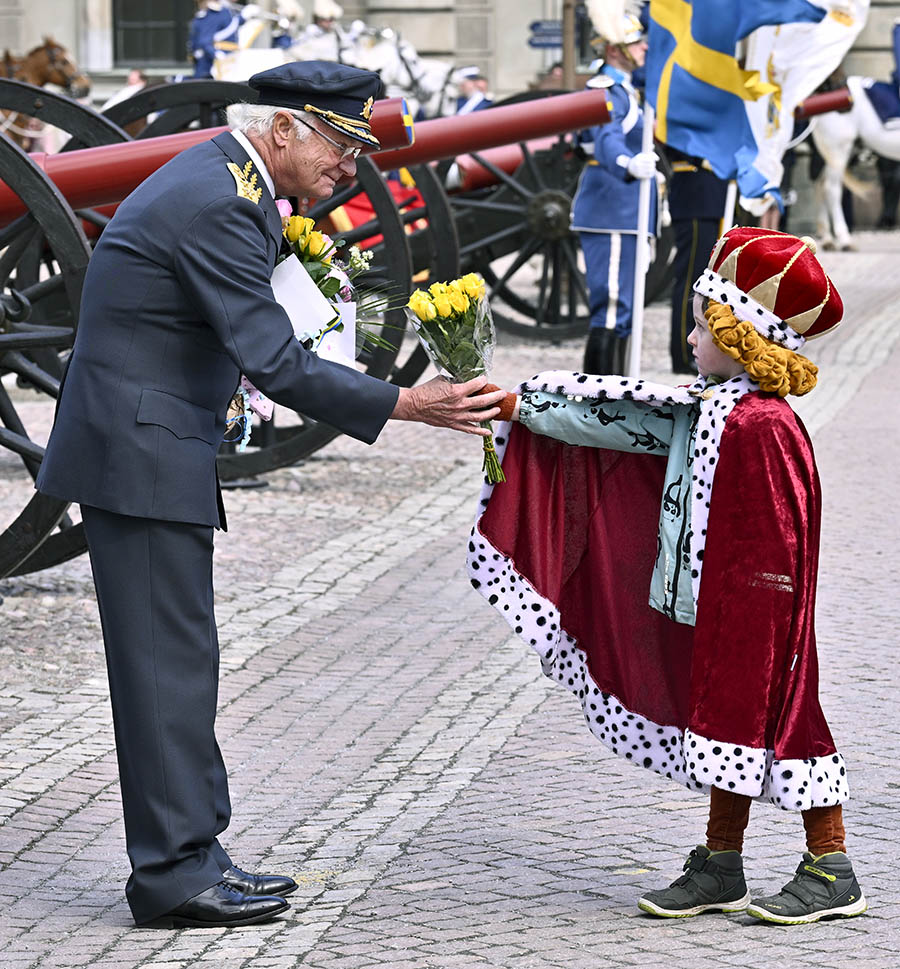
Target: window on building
(151, 32)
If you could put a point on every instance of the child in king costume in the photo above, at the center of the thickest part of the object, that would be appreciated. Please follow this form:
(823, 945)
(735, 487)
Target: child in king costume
(658, 547)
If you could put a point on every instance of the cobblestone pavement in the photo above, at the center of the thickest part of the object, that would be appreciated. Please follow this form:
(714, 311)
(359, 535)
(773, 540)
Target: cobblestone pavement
(392, 747)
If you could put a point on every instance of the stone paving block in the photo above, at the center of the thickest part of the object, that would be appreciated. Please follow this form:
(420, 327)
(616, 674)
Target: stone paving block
(440, 802)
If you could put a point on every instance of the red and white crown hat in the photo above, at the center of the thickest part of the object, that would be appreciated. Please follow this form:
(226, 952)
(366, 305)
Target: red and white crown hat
(774, 281)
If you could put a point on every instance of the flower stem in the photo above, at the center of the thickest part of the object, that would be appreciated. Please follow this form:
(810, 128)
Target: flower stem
(491, 464)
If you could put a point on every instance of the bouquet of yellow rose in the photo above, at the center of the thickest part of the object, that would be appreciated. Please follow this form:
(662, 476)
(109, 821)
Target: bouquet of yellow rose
(454, 324)
(334, 277)
(317, 314)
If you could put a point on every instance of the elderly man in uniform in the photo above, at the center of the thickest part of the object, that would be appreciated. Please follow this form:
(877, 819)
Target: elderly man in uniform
(177, 304)
(604, 212)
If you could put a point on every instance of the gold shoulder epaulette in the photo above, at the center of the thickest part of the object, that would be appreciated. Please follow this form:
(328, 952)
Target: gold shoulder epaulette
(246, 184)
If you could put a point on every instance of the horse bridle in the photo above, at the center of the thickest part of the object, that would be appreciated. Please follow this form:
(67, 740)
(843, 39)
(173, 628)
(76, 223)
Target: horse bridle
(7, 123)
(417, 90)
(63, 65)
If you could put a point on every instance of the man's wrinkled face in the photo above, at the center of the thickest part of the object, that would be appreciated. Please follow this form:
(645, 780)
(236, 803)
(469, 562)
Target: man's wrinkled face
(312, 165)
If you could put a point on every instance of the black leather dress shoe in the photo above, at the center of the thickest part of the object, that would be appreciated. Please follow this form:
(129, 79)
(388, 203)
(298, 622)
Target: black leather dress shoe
(219, 907)
(258, 884)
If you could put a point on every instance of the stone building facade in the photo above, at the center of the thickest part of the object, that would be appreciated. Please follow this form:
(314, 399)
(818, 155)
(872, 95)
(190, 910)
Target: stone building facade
(490, 34)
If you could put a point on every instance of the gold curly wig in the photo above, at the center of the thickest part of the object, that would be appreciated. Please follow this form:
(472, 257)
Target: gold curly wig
(776, 369)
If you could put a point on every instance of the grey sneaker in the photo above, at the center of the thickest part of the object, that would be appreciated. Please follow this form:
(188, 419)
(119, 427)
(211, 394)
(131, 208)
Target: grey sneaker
(823, 887)
(712, 881)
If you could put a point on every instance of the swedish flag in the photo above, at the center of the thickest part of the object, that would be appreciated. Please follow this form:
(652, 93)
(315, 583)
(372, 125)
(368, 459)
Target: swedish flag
(697, 86)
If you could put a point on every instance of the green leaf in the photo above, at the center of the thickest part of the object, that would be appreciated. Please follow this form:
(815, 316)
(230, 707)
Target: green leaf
(329, 286)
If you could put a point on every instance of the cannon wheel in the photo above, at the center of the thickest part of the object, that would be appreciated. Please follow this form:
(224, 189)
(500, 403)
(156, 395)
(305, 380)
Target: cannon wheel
(531, 237)
(56, 306)
(44, 258)
(182, 104)
(272, 446)
(530, 258)
(87, 127)
(434, 243)
(202, 102)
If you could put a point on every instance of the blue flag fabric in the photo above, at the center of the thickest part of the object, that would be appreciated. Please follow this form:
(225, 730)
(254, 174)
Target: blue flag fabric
(696, 85)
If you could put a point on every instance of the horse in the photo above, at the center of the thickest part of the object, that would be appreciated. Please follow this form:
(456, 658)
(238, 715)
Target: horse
(834, 135)
(427, 84)
(49, 63)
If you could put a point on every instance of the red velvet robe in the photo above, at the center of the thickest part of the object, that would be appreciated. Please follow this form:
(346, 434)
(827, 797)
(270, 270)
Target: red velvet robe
(564, 550)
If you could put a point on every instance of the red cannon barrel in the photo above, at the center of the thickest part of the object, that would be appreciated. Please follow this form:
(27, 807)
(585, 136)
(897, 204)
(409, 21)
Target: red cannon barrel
(98, 176)
(467, 174)
(838, 100)
(449, 137)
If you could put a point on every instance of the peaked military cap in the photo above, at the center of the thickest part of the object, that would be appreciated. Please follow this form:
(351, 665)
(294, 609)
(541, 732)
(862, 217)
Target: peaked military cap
(339, 95)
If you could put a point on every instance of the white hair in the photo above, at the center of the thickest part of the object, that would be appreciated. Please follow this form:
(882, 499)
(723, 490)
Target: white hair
(258, 118)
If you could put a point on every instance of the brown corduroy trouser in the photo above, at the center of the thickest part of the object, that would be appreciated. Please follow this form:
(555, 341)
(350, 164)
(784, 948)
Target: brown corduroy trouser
(730, 812)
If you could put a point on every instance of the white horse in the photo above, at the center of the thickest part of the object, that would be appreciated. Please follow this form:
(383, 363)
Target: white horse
(834, 134)
(426, 83)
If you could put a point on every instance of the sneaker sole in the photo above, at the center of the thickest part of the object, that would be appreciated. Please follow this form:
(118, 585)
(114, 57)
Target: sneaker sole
(739, 905)
(843, 911)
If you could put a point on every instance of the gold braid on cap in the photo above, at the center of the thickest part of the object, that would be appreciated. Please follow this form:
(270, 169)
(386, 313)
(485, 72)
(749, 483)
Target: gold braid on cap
(361, 130)
(776, 369)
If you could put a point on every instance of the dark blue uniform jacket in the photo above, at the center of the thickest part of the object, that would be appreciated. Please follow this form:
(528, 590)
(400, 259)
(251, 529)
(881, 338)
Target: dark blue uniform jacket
(607, 196)
(176, 305)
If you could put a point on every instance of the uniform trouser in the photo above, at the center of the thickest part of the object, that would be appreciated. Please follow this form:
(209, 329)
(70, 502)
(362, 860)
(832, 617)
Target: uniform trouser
(609, 265)
(694, 240)
(155, 594)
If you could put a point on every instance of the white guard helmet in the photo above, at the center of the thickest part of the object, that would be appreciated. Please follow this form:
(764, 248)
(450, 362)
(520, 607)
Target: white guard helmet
(612, 25)
(327, 10)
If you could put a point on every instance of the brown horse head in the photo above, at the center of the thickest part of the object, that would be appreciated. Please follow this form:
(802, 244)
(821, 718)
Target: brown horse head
(9, 64)
(50, 64)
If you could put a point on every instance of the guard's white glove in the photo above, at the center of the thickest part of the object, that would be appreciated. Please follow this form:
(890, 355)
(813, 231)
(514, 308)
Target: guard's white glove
(250, 10)
(642, 165)
(662, 194)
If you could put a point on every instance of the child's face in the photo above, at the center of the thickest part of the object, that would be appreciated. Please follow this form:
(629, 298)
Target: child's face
(709, 358)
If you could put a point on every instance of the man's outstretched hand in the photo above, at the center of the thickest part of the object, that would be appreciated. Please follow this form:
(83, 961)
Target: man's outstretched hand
(441, 403)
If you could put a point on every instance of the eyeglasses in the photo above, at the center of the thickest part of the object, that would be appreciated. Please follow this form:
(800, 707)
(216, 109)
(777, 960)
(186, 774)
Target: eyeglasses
(346, 151)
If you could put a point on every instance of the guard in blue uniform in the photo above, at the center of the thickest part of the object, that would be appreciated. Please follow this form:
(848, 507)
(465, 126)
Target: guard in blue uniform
(697, 206)
(472, 86)
(605, 210)
(214, 28)
(177, 303)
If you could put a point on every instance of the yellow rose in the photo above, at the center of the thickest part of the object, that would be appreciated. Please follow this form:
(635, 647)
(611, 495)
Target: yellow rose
(459, 301)
(442, 306)
(473, 285)
(296, 228)
(437, 289)
(422, 306)
(315, 243)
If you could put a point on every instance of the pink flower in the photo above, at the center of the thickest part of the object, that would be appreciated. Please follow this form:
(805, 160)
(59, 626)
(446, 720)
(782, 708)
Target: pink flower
(284, 208)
